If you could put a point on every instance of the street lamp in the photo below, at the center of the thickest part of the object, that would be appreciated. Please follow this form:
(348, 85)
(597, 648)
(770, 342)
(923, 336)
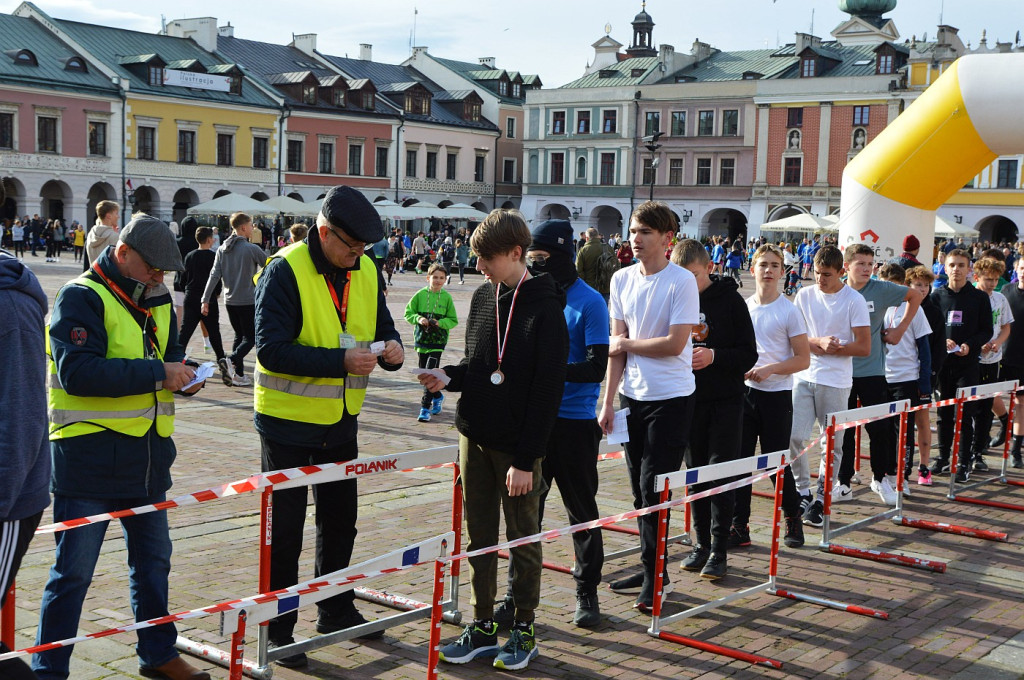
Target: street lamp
(651, 144)
(687, 214)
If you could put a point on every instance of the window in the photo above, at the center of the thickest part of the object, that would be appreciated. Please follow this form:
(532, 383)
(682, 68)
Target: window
(636, 72)
(510, 128)
(325, 163)
(294, 155)
(679, 123)
(225, 149)
(97, 139)
(339, 97)
(808, 68)
(431, 165)
(795, 117)
(703, 171)
(156, 76)
(791, 176)
(236, 85)
(884, 64)
(6, 130)
(648, 172)
(355, 159)
(369, 101)
(452, 160)
(517, 90)
(558, 123)
(478, 169)
(260, 152)
(26, 58)
(186, 146)
(652, 123)
(471, 111)
(146, 150)
(727, 171)
(503, 88)
(309, 94)
(675, 171)
(861, 115)
(608, 120)
(75, 64)
(558, 168)
(705, 123)
(47, 134)
(382, 161)
(417, 101)
(583, 122)
(581, 167)
(410, 163)
(607, 168)
(730, 122)
(508, 171)
(1007, 177)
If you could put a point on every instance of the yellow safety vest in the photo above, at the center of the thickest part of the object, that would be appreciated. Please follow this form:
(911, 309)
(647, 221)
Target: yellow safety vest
(316, 400)
(132, 415)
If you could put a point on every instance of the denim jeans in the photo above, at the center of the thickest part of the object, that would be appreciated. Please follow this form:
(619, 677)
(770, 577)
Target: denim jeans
(149, 562)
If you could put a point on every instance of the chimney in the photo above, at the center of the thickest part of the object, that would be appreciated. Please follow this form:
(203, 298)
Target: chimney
(700, 50)
(805, 40)
(417, 52)
(202, 30)
(227, 31)
(667, 57)
(305, 42)
(487, 61)
(366, 52)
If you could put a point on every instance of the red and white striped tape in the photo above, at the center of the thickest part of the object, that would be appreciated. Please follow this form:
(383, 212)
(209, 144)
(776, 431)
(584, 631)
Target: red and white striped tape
(922, 407)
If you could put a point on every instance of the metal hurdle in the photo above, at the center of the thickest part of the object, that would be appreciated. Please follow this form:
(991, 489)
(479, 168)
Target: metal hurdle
(979, 392)
(687, 477)
(7, 619)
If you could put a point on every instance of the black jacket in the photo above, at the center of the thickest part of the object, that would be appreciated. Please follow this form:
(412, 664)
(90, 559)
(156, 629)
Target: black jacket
(1013, 351)
(937, 340)
(967, 316)
(516, 416)
(726, 328)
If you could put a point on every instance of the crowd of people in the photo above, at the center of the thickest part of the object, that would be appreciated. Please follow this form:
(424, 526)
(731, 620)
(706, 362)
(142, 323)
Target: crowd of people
(567, 335)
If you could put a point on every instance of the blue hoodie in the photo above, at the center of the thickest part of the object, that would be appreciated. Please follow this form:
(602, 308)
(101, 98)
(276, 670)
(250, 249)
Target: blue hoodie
(24, 449)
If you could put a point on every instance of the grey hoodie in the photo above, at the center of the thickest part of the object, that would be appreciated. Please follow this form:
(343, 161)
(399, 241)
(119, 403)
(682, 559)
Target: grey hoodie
(97, 240)
(236, 262)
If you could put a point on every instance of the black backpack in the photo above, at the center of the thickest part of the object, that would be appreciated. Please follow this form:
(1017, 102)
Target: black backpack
(607, 265)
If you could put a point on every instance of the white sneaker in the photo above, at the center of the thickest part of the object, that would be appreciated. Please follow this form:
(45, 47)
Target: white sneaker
(855, 479)
(885, 491)
(240, 381)
(841, 493)
(892, 483)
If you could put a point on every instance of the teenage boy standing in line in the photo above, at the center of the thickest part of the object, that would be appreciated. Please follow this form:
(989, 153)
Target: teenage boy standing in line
(968, 316)
(988, 272)
(869, 384)
(512, 379)
(838, 329)
(654, 307)
(724, 349)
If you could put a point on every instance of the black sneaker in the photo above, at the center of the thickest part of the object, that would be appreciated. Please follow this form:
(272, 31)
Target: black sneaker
(505, 612)
(1000, 437)
(479, 638)
(645, 600)
(226, 372)
(627, 584)
(963, 474)
(739, 537)
(588, 612)
(294, 661)
(716, 567)
(332, 623)
(814, 516)
(1018, 462)
(794, 537)
(979, 463)
(696, 560)
(805, 502)
(940, 466)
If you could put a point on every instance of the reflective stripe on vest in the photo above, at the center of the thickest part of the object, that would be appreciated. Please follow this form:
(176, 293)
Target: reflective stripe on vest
(132, 415)
(306, 399)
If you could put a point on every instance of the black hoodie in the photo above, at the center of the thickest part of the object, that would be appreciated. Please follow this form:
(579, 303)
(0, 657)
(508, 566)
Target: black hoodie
(516, 416)
(725, 327)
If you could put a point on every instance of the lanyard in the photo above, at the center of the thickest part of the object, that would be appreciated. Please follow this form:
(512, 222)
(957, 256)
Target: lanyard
(502, 346)
(149, 328)
(341, 307)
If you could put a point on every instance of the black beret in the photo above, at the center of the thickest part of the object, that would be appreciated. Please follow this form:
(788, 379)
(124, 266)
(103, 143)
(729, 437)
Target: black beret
(347, 209)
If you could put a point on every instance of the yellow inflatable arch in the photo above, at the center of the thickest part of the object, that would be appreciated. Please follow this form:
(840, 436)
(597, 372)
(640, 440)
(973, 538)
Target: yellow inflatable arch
(971, 115)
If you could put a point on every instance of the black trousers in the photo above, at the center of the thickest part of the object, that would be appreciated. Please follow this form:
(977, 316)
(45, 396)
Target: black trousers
(19, 249)
(987, 374)
(191, 316)
(243, 322)
(337, 506)
(768, 417)
(15, 536)
(899, 392)
(659, 432)
(714, 438)
(956, 372)
(871, 390)
(428, 360)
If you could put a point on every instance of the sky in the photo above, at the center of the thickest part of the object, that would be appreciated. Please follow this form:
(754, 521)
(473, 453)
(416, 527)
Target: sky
(551, 38)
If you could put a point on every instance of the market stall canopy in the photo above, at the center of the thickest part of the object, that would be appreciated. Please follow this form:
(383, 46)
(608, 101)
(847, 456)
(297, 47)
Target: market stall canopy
(461, 211)
(945, 228)
(802, 222)
(231, 203)
(289, 206)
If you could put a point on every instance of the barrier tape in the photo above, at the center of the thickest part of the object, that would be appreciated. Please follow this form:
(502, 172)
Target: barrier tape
(922, 407)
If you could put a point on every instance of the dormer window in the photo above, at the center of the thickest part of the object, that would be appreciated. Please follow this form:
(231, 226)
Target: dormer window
(23, 57)
(885, 64)
(417, 102)
(236, 85)
(517, 90)
(368, 101)
(471, 111)
(156, 75)
(503, 88)
(75, 64)
(808, 67)
(339, 97)
(309, 94)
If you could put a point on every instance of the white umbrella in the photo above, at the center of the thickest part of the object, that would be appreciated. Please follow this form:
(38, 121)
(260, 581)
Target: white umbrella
(231, 203)
(461, 211)
(290, 206)
(801, 222)
(944, 227)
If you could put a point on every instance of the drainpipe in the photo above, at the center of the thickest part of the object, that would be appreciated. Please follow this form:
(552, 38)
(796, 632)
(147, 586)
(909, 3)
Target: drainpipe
(398, 154)
(282, 149)
(494, 183)
(124, 152)
(636, 143)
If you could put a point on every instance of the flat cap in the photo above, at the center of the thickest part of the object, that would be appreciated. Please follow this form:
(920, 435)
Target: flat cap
(153, 240)
(347, 209)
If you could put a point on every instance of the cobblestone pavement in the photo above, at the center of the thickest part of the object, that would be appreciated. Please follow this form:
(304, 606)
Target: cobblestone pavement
(961, 624)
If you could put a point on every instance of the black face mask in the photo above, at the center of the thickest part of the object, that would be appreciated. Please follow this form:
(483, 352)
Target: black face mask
(560, 267)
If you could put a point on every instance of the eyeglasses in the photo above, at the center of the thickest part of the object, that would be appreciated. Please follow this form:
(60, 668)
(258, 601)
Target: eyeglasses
(538, 259)
(354, 249)
(152, 271)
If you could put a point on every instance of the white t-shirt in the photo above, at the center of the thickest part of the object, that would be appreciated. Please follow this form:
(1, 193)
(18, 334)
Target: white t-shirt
(901, 360)
(649, 305)
(831, 314)
(1001, 316)
(774, 325)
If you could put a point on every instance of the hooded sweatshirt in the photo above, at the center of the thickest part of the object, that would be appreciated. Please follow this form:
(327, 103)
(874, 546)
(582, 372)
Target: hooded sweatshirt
(236, 262)
(725, 327)
(24, 449)
(516, 416)
(99, 237)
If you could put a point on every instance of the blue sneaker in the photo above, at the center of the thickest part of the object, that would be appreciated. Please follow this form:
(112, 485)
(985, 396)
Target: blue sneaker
(424, 415)
(478, 639)
(519, 651)
(435, 406)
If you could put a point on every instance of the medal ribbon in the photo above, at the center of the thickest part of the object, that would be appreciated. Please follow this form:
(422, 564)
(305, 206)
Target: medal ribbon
(342, 307)
(497, 317)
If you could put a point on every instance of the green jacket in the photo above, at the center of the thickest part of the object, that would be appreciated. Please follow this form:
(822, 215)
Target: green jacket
(438, 306)
(586, 264)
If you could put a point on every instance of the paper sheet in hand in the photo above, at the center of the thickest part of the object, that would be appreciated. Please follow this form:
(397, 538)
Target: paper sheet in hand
(377, 347)
(202, 373)
(436, 372)
(619, 433)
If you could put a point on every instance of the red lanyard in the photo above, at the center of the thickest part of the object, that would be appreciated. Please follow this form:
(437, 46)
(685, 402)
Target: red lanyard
(497, 317)
(147, 322)
(342, 307)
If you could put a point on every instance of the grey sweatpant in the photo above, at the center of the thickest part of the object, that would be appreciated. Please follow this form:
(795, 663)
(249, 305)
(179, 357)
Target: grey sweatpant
(812, 402)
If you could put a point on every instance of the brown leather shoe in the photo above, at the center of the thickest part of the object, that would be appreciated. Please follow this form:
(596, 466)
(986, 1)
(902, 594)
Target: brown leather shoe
(175, 669)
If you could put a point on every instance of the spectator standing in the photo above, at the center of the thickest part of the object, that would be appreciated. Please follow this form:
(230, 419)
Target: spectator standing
(79, 242)
(18, 236)
(197, 267)
(103, 233)
(431, 311)
(462, 259)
